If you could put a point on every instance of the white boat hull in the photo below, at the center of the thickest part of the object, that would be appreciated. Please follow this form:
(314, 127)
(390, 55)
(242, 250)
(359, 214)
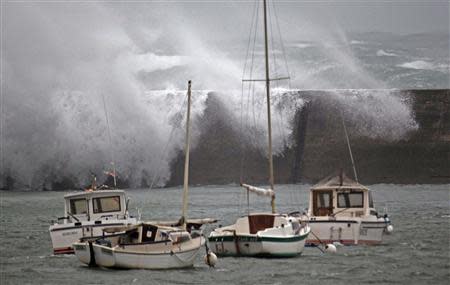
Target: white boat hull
(118, 257)
(253, 245)
(346, 231)
(64, 235)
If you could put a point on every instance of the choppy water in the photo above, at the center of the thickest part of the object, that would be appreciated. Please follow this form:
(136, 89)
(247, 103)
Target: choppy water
(418, 252)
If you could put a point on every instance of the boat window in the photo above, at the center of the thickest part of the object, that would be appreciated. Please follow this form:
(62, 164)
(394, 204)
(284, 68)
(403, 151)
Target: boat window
(78, 206)
(370, 200)
(149, 233)
(323, 200)
(322, 203)
(295, 227)
(350, 200)
(106, 204)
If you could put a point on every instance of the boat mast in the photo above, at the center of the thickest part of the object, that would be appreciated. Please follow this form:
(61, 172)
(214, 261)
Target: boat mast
(186, 160)
(269, 119)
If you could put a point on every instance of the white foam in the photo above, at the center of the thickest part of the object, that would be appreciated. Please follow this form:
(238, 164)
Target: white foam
(385, 53)
(418, 64)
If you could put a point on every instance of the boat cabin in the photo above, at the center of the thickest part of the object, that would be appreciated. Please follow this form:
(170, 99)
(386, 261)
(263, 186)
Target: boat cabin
(256, 222)
(340, 196)
(95, 205)
(145, 233)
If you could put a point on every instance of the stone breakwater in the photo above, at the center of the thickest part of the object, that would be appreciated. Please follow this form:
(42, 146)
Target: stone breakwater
(318, 146)
(397, 136)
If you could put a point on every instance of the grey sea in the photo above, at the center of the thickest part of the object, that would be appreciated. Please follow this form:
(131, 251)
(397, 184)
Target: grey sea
(418, 251)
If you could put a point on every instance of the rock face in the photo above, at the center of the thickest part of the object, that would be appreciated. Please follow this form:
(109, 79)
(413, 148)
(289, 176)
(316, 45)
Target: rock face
(319, 148)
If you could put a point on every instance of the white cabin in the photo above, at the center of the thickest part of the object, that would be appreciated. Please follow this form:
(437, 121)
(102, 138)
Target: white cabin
(86, 214)
(95, 205)
(340, 196)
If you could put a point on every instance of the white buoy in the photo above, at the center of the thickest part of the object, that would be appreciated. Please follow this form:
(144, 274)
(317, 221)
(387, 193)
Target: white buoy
(330, 248)
(389, 229)
(210, 259)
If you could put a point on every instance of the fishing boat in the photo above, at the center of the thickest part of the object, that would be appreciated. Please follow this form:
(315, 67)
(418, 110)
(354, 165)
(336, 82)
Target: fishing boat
(341, 211)
(262, 234)
(86, 215)
(153, 245)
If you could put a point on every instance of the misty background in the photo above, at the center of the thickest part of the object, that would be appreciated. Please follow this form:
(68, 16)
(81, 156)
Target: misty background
(60, 61)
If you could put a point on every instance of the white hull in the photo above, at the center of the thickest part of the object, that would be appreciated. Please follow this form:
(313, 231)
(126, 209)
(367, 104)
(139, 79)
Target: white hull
(172, 256)
(275, 236)
(346, 230)
(64, 235)
(252, 245)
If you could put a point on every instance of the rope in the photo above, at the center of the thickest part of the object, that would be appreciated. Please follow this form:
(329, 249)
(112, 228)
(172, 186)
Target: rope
(281, 43)
(252, 44)
(349, 147)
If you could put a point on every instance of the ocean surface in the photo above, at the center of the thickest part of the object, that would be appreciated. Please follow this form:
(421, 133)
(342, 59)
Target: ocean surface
(418, 251)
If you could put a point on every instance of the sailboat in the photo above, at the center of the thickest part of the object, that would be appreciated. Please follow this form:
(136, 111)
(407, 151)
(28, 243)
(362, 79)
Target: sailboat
(262, 234)
(149, 245)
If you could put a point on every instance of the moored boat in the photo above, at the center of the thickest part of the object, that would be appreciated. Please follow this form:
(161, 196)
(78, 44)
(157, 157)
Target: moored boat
(86, 215)
(260, 235)
(342, 211)
(142, 246)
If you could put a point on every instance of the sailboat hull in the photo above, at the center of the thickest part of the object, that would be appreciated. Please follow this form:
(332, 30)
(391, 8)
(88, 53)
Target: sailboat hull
(165, 257)
(257, 246)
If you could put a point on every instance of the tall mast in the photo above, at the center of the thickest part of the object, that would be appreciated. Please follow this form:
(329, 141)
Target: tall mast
(269, 119)
(186, 160)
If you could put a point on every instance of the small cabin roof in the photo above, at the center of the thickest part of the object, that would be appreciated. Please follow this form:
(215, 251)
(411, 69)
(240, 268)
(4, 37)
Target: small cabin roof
(96, 193)
(340, 181)
(136, 226)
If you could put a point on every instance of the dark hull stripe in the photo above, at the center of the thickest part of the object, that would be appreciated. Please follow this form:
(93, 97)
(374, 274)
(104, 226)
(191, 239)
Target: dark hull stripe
(88, 226)
(344, 242)
(333, 221)
(256, 239)
(109, 251)
(65, 250)
(267, 255)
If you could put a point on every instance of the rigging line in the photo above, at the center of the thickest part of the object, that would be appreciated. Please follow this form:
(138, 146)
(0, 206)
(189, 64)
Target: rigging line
(278, 94)
(110, 141)
(349, 147)
(249, 39)
(283, 50)
(255, 8)
(272, 42)
(166, 146)
(251, 88)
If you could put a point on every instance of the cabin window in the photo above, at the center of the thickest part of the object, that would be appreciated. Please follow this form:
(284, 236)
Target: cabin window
(106, 204)
(78, 206)
(322, 203)
(324, 200)
(350, 200)
(370, 200)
